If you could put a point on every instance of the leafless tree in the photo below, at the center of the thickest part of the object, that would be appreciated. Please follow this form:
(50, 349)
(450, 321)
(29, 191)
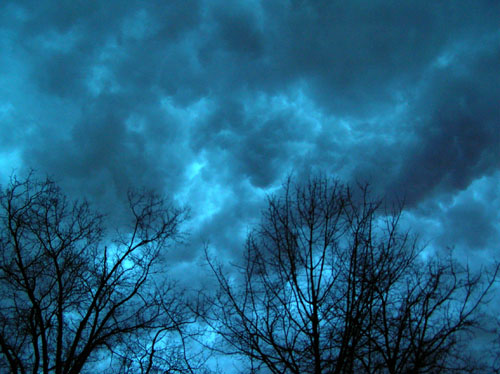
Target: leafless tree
(330, 284)
(73, 296)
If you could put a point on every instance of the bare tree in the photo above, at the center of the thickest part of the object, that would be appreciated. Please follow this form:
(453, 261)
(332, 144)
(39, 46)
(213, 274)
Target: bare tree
(73, 296)
(422, 315)
(330, 284)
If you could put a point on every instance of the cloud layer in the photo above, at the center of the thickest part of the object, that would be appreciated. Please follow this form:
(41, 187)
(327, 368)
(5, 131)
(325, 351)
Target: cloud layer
(215, 102)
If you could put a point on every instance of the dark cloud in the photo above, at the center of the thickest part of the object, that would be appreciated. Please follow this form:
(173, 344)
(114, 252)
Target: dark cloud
(215, 103)
(456, 126)
(468, 221)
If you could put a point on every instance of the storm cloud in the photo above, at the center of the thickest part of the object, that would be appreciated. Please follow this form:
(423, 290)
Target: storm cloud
(215, 102)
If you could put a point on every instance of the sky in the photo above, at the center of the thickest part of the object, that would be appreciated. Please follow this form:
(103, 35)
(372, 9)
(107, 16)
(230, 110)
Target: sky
(215, 102)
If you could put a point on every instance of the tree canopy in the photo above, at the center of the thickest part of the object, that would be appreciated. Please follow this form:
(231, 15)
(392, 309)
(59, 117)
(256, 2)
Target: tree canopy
(74, 294)
(330, 282)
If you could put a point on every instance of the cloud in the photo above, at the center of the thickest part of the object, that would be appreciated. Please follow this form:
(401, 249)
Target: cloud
(214, 103)
(456, 127)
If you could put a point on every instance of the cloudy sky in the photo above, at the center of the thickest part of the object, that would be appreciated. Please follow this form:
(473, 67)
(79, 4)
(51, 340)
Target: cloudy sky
(215, 102)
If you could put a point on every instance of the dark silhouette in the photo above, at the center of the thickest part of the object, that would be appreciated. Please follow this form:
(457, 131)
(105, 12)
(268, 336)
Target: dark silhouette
(331, 284)
(72, 295)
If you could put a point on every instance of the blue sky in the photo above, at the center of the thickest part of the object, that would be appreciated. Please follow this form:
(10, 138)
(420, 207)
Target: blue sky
(215, 102)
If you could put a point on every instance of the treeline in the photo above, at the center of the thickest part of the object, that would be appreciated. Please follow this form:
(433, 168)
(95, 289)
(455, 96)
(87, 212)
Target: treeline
(329, 283)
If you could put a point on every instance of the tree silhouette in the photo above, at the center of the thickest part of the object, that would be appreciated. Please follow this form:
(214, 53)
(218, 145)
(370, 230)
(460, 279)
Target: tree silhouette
(331, 284)
(72, 293)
